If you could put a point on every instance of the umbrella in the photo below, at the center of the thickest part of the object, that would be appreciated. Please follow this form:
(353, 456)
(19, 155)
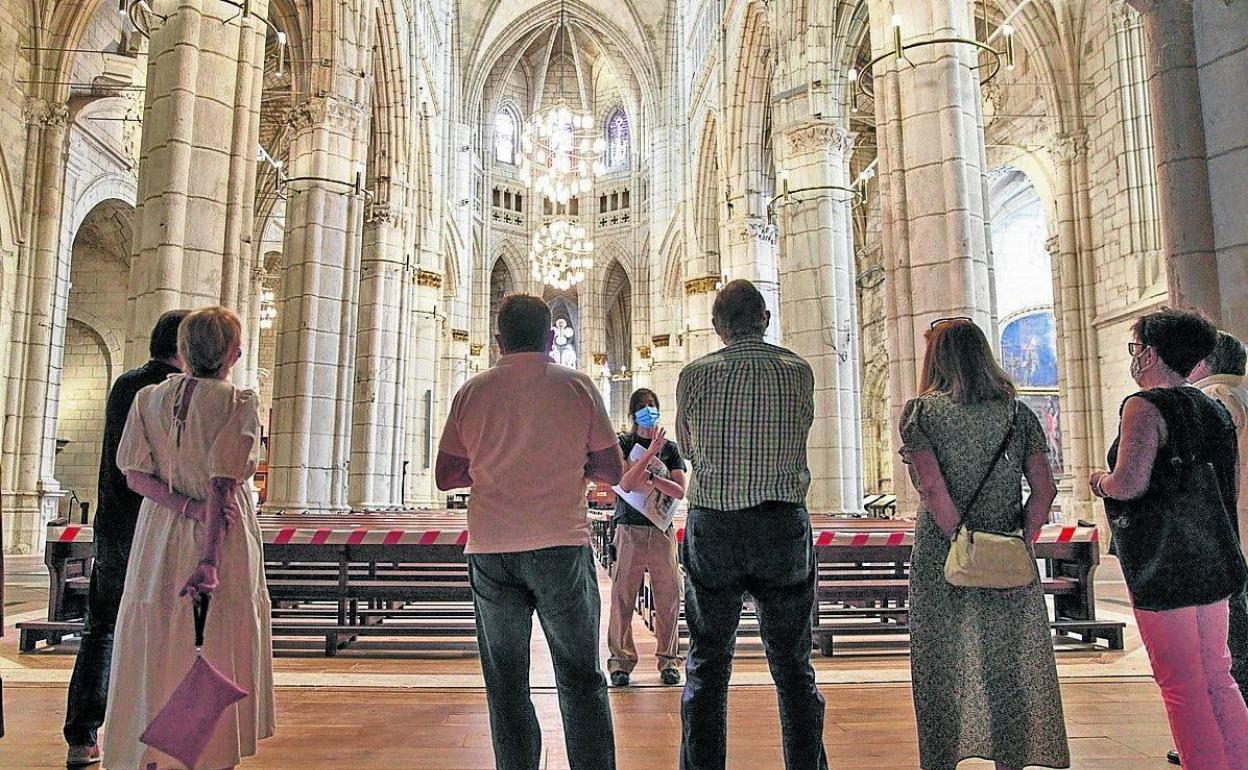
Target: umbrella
(186, 723)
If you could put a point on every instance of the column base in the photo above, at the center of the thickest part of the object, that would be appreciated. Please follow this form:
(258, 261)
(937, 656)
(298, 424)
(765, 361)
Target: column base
(25, 516)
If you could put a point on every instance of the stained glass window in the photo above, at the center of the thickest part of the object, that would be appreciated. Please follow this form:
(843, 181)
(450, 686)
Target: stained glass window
(617, 140)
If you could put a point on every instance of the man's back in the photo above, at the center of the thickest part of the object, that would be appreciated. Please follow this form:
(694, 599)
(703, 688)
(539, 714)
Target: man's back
(527, 427)
(743, 416)
(117, 510)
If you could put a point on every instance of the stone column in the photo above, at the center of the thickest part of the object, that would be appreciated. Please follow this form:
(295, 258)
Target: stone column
(700, 336)
(752, 255)
(317, 309)
(378, 420)
(932, 188)
(1174, 94)
(197, 163)
(819, 310)
(1075, 310)
(423, 354)
(31, 491)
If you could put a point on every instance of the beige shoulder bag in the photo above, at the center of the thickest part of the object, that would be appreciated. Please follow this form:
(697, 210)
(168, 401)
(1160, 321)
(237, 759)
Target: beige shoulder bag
(979, 559)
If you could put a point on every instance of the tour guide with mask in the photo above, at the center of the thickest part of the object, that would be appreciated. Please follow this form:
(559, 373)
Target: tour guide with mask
(641, 547)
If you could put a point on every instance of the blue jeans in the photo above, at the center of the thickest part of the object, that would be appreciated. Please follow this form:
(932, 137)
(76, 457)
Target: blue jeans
(766, 551)
(561, 584)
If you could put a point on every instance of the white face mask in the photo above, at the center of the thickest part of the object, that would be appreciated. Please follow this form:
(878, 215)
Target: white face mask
(1137, 368)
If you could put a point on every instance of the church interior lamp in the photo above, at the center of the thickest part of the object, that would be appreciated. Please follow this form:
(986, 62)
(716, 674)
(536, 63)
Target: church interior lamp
(561, 253)
(560, 148)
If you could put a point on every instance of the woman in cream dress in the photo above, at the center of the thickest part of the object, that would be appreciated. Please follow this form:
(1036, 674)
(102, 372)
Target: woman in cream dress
(190, 447)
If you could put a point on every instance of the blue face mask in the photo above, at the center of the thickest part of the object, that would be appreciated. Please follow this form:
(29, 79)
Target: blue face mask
(647, 417)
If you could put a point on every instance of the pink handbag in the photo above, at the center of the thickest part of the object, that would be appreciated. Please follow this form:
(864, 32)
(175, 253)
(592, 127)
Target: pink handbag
(184, 726)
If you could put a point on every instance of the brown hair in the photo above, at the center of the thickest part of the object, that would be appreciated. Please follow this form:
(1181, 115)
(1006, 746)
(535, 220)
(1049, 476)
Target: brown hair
(206, 338)
(959, 362)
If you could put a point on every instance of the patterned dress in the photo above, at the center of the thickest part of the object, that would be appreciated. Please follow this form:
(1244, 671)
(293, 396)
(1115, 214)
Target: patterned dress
(982, 666)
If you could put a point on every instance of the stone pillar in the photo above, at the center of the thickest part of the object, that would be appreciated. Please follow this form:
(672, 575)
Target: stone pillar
(700, 336)
(197, 163)
(932, 187)
(1179, 149)
(378, 421)
(317, 309)
(423, 353)
(752, 255)
(31, 493)
(819, 308)
(1074, 295)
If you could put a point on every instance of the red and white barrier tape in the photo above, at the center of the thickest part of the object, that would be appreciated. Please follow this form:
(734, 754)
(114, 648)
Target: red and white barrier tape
(1052, 533)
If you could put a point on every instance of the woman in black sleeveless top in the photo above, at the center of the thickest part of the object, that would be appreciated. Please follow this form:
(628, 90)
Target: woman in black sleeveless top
(1170, 435)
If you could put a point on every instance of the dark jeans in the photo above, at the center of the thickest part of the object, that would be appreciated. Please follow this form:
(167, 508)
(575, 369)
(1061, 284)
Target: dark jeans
(561, 584)
(88, 687)
(1237, 640)
(766, 551)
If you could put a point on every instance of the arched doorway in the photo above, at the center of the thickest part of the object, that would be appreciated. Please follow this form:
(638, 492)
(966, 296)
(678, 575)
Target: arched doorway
(502, 283)
(1023, 271)
(94, 331)
(617, 298)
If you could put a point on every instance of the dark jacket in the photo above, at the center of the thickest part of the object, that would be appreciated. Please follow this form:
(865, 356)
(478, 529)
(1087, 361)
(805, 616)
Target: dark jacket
(117, 513)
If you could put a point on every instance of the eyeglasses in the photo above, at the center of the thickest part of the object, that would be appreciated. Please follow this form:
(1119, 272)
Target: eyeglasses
(954, 319)
(1135, 348)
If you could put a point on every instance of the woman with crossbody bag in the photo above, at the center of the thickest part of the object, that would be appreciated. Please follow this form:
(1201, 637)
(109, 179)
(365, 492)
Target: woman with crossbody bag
(983, 672)
(1170, 497)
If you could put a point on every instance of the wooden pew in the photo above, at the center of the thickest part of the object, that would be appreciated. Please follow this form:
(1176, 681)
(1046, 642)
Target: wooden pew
(863, 581)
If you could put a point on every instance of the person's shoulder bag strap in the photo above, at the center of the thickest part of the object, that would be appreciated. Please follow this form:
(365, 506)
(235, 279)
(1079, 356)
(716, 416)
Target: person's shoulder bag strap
(1005, 443)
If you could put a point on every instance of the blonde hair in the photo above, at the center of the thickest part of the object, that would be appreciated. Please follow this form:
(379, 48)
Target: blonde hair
(206, 338)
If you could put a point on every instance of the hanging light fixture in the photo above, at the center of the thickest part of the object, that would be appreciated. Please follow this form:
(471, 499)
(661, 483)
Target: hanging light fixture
(561, 253)
(560, 149)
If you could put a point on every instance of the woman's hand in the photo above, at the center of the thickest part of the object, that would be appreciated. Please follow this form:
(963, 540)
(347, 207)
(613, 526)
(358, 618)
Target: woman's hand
(202, 582)
(657, 442)
(1031, 533)
(197, 510)
(1094, 482)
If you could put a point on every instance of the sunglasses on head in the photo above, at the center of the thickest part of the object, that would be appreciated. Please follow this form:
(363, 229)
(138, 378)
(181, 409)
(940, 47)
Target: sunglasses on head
(954, 319)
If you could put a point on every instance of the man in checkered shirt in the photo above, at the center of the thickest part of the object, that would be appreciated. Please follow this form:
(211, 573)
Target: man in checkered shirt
(742, 415)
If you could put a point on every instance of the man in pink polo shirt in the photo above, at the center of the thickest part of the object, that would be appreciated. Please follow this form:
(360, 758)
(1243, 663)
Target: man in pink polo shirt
(525, 436)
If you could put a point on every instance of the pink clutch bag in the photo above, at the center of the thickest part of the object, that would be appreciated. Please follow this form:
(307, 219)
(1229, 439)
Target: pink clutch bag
(186, 723)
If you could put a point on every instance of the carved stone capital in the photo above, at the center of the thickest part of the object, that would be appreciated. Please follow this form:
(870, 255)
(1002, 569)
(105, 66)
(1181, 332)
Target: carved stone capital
(661, 340)
(819, 136)
(1070, 146)
(707, 284)
(760, 230)
(643, 351)
(329, 110)
(39, 111)
(459, 335)
(428, 278)
(384, 214)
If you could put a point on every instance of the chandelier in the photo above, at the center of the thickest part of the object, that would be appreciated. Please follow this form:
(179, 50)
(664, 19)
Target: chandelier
(560, 150)
(561, 253)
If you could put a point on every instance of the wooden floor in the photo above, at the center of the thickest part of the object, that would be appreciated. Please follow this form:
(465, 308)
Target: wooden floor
(1116, 725)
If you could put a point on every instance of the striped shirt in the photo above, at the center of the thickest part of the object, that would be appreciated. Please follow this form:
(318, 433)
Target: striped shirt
(742, 417)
